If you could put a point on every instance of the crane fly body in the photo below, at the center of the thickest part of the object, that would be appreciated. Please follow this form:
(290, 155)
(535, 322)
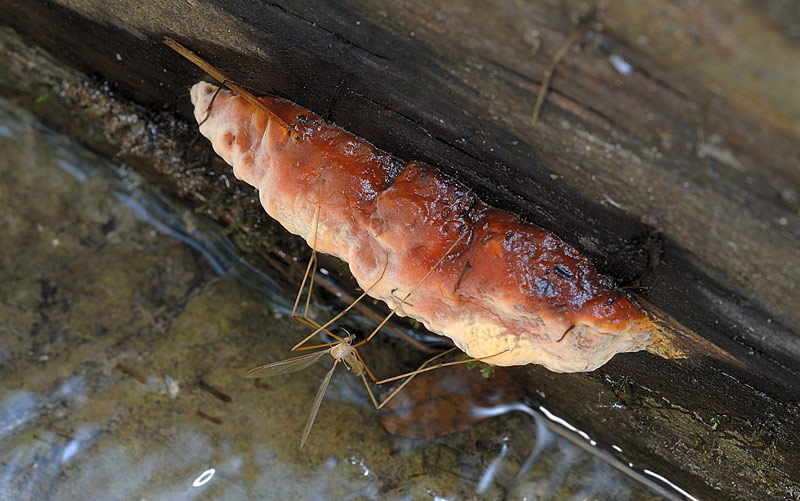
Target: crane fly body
(342, 351)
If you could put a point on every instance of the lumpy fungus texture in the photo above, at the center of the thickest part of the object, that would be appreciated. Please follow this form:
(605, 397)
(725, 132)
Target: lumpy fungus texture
(498, 287)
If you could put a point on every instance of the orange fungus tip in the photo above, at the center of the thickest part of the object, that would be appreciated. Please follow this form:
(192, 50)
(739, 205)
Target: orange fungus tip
(502, 288)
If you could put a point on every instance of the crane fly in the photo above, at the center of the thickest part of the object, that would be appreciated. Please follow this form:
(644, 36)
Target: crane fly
(341, 351)
(344, 349)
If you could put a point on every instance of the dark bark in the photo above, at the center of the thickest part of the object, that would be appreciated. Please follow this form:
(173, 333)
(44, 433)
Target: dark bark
(680, 179)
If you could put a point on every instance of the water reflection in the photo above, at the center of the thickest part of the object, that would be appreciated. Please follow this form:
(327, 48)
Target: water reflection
(488, 476)
(118, 342)
(16, 410)
(597, 481)
(204, 478)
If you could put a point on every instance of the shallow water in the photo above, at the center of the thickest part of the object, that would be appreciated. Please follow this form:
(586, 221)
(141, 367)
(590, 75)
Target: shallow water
(127, 325)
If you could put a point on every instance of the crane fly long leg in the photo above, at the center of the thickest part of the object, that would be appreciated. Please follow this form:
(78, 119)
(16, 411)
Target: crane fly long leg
(317, 402)
(311, 271)
(236, 88)
(364, 365)
(423, 367)
(287, 366)
(394, 310)
(322, 328)
(374, 380)
(317, 215)
(314, 325)
(309, 322)
(411, 375)
(366, 385)
(312, 264)
(318, 346)
(308, 277)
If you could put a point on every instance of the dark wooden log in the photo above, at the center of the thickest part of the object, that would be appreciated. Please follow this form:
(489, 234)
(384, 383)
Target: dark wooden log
(667, 150)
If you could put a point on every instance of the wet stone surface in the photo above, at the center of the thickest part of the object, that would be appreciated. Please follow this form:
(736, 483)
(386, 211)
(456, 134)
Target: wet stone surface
(124, 338)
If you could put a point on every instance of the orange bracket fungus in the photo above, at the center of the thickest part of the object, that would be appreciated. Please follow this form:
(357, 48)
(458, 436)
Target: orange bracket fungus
(503, 290)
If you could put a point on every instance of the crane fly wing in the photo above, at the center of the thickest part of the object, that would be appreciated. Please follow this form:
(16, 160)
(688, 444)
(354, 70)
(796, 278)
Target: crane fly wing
(286, 366)
(317, 402)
